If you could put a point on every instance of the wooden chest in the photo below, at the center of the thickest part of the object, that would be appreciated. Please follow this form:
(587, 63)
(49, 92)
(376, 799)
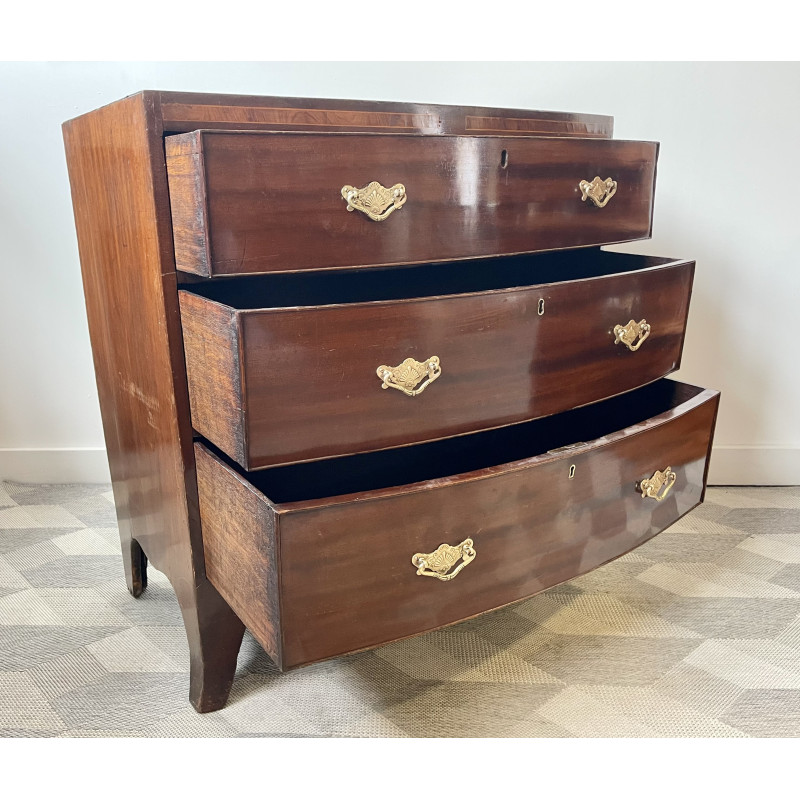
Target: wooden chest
(364, 369)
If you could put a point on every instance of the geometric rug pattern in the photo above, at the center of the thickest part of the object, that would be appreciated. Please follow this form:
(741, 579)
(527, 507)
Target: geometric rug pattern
(696, 633)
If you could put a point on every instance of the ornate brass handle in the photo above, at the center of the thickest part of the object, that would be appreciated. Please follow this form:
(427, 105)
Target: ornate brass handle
(599, 191)
(438, 563)
(406, 376)
(628, 334)
(659, 485)
(375, 200)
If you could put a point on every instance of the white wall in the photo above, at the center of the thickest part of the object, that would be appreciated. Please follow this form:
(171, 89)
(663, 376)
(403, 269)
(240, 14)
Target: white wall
(726, 196)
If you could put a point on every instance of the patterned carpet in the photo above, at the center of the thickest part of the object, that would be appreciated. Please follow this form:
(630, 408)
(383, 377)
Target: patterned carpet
(697, 633)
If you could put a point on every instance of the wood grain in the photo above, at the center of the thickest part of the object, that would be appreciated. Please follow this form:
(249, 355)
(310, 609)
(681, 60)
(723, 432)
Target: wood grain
(346, 578)
(306, 385)
(184, 111)
(323, 566)
(124, 240)
(273, 200)
(121, 205)
(212, 344)
(237, 523)
(118, 178)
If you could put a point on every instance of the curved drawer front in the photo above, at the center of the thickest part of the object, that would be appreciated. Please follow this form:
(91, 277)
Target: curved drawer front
(257, 202)
(278, 386)
(314, 578)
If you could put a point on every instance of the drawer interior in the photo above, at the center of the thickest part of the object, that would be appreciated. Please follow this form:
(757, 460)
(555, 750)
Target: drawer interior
(421, 280)
(405, 465)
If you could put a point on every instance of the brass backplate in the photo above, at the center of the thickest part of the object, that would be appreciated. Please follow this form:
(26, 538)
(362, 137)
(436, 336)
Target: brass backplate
(439, 563)
(375, 200)
(599, 191)
(411, 377)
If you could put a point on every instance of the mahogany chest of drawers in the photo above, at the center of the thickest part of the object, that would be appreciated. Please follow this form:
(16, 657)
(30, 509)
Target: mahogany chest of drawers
(364, 369)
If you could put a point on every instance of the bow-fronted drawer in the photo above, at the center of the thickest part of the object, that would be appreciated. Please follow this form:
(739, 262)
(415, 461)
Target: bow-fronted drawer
(300, 367)
(247, 202)
(334, 556)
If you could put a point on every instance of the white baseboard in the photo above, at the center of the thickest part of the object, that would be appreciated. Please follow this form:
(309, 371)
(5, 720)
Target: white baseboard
(730, 465)
(751, 465)
(55, 465)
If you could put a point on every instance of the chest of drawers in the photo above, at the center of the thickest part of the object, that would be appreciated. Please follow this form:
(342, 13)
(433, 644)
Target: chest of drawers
(364, 369)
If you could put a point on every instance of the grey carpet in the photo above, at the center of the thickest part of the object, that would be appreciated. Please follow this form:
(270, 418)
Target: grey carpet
(696, 633)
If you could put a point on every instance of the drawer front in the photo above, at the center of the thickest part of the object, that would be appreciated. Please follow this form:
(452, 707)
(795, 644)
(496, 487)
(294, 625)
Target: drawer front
(286, 385)
(256, 202)
(345, 573)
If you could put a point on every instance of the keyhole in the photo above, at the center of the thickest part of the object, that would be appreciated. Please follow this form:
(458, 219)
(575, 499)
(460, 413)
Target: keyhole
(541, 307)
(571, 471)
(504, 159)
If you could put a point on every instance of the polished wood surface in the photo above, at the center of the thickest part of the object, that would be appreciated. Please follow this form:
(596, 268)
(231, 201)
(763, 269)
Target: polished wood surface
(211, 340)
(278, 385)
(119, 194)
(346, 577)
(269, 555)
(118, 176)
(185, 111)
(249, 528)
(255, 202)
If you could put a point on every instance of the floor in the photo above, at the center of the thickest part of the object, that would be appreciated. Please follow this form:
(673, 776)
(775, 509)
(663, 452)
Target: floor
(696, 633)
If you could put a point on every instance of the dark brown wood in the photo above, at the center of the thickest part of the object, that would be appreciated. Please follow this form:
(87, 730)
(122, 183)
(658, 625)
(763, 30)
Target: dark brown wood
(346, 578)
(364, 510)
(119, 195)
(248, 527)
(119, 187)
(184, 111)
(134, 562)
(306, 385)
(212, 340)
(256, 202)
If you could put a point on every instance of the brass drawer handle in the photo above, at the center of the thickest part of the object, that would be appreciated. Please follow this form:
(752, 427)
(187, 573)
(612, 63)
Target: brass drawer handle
(438, 563)
(628, 334)
(407, 375)
(375, 200)
(598, 191)
(659, 485)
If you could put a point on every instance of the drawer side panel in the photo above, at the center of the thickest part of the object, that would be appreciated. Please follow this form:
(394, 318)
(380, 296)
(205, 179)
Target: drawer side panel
(239, 538)
(211, 344)
(188, 204)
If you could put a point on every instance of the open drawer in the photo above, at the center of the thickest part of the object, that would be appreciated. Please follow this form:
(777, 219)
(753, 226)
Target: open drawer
(334, 556)
(291, 368)
(264, 201)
